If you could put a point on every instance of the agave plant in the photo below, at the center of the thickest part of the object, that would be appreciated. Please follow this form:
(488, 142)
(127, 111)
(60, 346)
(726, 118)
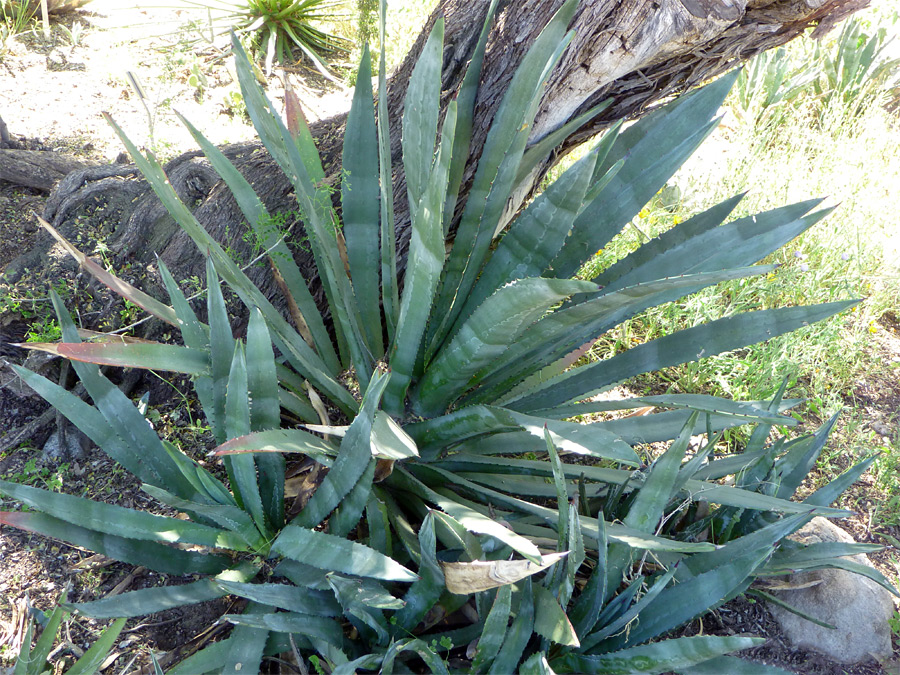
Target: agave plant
(276, 28)
(458, 494)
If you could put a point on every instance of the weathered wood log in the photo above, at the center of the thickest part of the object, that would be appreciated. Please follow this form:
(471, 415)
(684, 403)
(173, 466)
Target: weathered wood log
(38, 169)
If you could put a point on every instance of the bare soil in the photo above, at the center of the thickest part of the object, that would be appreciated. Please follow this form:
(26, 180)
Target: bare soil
(51, 95)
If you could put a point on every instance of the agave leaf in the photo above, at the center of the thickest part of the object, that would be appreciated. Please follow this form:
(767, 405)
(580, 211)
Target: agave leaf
(767, 536)
(213, 657)
(248, 645)
(303, 575)
(299, 353)
(792, 473)
(827, 494)
(564, 331)
(538, 152)
(241, 468)
(833, 563)
(589, 526)
(586, 610)
(390, 440)
(37, 658)
(366, 592)
(486, 335)
(222, 349)
(118, 286)
(496, 172)
(262, 382)
(469, 518)
(152, 467)
(300, 406)
(360, 613)
(653, 149)
(678, 604)
(390, 294)
(741, 242)
(280, 440)
(464, 578)
(474, 421)
(643, 256)
(158, 557)
(118, 520)
(291, 598)
(425, 262)
(195, 336)
(494, 630)
(340, 555)
(434, 662)
(420, 115)
(550, 621)
(265, 413)
(318, 215)
(649, 504)
(792, 553)
(379, 526)
(750, 411)
(562, 493)
(94, 657)
(462, 537)
(352, 460)
(271, 241)
(715, 337)
(733, 665)
(632, 613)
(674, 654)
(465, 101)
(291, 622)
(149, 600)
(359, 204)
(348, 513)
(518, 634)
(523, 486)
(424, 593)
(535, 236)
(749, 499)
(124, 423)
(225, 515)
(536, 664)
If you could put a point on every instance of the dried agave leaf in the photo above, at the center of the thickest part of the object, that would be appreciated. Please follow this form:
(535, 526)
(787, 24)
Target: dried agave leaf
(481, 575)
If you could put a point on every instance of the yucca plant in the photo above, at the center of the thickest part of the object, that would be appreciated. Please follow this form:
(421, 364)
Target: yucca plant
(456, 482)
(276, 29)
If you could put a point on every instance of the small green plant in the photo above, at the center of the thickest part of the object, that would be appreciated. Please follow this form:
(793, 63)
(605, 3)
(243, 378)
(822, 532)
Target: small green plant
(43, 330)
(50, 478)
(456, 478)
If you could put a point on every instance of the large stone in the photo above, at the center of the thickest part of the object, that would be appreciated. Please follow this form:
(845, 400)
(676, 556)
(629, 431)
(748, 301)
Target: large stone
(857, 606)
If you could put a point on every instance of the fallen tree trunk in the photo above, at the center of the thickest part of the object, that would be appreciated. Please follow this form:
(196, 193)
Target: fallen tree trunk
(37, 169)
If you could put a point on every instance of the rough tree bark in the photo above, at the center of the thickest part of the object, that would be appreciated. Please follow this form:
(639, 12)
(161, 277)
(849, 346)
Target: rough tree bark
(635, 52)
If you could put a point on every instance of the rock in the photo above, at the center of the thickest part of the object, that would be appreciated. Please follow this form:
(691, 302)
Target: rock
(857, 606)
